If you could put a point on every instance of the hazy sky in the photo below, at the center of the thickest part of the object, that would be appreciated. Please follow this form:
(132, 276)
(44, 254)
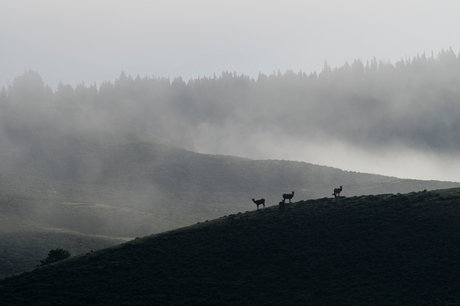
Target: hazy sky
(93, 41)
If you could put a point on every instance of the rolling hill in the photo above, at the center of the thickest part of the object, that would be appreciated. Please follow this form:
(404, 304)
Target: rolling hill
(137, 189)
(101, 192)
(22, 250)
(387, 249)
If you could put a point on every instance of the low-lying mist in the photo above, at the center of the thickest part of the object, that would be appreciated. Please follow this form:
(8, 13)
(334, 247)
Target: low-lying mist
(396, 160)
(399, 120)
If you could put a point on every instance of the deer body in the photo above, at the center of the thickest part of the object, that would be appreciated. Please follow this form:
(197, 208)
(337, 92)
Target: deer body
(288, 196)
(337, 191)
(259, 202)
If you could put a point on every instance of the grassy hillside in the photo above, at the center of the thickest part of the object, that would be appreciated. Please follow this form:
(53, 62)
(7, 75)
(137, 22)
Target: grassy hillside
(30, 227)
(387, 249)
(162, 180)
(137, 189)
(22, 251)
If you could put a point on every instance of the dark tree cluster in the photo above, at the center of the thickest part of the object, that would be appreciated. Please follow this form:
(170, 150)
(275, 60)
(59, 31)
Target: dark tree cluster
(369, 105)
(54, 256)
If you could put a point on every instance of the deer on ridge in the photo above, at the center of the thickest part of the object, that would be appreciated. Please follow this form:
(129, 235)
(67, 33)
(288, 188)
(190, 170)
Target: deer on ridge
(337, 191)
(288, 196)
(259, 202)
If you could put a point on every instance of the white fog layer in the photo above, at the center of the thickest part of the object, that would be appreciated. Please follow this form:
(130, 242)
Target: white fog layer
(397, 119)
(359, 85)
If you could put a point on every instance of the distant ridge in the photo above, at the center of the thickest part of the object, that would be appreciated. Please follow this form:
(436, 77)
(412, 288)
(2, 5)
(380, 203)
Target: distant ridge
(170, 187)
(367, 250)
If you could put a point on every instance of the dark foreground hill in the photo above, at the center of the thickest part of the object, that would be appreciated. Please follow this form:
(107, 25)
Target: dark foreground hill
(386, 249)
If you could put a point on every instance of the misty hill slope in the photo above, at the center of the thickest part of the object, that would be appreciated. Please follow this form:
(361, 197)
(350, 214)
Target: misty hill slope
(368, 250)
(177, 173)
(138, 189)
(22, 250)
(30, 228)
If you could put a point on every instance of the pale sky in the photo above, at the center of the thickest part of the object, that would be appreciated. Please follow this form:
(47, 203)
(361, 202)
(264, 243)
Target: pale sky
(93, 41)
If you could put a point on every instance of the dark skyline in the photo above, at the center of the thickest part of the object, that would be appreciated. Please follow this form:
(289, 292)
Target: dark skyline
(92, 41)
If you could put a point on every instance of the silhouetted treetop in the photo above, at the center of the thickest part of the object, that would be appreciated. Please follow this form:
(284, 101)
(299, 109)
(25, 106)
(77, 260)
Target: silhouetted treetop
(55, 256)
(371, 104)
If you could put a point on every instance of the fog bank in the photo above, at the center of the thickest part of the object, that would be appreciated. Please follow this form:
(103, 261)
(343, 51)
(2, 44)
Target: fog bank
(397, 119)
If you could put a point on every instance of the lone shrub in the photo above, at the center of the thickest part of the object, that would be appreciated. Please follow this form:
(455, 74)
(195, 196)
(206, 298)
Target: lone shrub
(53, 256)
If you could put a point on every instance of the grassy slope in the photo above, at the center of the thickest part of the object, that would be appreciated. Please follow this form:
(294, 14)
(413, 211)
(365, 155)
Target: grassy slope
(368, 250)
(28, 232)
(163, 180)
(22, 251)
(140, 189)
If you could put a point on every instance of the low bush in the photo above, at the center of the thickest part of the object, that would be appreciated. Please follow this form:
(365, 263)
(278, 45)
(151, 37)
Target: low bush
(54, 256)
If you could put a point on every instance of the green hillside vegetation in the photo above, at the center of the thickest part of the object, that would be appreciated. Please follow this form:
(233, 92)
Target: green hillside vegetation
(387, 249)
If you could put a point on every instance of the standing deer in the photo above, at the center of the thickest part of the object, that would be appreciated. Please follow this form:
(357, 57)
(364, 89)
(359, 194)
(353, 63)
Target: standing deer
(337, 191)
(288, 196)
(259, 202)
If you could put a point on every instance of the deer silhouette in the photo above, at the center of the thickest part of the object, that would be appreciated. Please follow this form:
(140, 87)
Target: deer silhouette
(282, 204)
(337, 191)
(288, 196)
(259, 202)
